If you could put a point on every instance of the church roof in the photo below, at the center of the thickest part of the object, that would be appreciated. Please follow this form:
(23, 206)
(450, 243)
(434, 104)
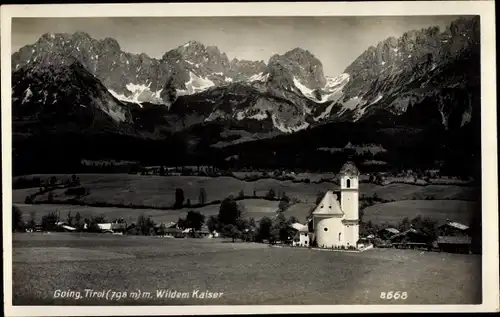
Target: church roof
(349, 168)
(329, 205)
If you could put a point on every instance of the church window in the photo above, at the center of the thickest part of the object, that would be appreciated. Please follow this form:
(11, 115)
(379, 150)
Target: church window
(348, 183)
(340, 236)
(326, 229)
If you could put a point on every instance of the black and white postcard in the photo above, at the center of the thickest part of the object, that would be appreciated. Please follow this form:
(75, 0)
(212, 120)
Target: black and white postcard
(249, 158)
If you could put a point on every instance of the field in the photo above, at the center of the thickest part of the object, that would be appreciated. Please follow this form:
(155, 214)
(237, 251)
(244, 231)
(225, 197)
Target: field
(439, 210)
(245, 273)
(256, 208)
(159, 192)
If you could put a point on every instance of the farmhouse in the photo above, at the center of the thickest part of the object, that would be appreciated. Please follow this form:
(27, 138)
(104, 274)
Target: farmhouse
(387, 233)
(451, 228)
(302, 237)
(336, 224)
(410, 238)
(454, 237)
(117, 228)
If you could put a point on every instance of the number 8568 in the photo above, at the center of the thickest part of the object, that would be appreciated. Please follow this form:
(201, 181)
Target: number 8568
(394, 295)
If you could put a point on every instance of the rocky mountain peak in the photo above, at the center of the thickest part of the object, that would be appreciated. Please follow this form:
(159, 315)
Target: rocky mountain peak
(300, 65)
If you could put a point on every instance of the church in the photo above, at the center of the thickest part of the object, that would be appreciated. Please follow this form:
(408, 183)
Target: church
(335, 219)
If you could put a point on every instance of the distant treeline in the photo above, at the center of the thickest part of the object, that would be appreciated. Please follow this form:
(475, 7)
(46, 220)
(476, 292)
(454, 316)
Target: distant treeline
(454, 153)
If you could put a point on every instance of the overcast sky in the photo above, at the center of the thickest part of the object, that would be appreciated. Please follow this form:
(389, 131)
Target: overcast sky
(336, 41)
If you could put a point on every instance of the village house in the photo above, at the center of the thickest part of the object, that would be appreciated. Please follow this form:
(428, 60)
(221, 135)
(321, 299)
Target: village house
(301, 237)
(454, 237)
(336, 219)
(112, 227)
(387, 233)
(410, 238)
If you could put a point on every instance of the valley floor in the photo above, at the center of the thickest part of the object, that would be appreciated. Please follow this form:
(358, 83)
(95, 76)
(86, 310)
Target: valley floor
(120, 193)
(245, 273)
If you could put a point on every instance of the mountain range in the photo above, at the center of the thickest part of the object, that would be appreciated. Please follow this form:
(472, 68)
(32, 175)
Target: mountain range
(73, 91)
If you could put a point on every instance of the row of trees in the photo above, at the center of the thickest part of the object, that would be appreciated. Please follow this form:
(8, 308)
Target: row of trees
(181, 201)
(49, 221)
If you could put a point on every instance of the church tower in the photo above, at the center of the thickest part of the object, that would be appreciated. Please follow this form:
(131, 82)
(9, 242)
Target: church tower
(349, 202)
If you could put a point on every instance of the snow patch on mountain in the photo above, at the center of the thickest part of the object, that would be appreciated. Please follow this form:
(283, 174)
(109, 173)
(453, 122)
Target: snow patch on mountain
(27, 95)
(259, 77)
(303, 89)
(195, 85)
(379, 96)
(333, 82)
(138, 94)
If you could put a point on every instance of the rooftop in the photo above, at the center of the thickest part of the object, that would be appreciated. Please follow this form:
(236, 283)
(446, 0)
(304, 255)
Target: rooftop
(456, 225)
(329, 205)
(349, 168)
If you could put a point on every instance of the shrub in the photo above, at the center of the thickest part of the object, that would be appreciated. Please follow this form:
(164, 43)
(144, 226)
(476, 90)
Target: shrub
(202, 197)
(271, 194)
(179, 198)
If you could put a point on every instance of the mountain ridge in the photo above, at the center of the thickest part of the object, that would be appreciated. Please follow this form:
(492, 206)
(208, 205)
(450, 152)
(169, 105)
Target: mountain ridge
(427, 81)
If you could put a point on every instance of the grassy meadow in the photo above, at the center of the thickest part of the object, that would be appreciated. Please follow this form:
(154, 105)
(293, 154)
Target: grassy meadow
(246, 273)
(156, 196)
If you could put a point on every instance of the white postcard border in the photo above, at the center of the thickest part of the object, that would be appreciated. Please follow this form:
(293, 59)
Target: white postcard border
(486, 10)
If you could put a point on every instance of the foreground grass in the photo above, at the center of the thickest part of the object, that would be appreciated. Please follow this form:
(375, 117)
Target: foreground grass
(245, 273)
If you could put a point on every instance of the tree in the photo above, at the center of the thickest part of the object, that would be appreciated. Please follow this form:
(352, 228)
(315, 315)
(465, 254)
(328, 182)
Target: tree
(202, 197)
(32, 222)
(195, 220)
(145, 224)
(50, 197)
(280, 228)
(162, 230)
(264, 230)
(231, 231)
(270, 194)
(49, 221)
(283, 205)
(181, 223)
(28, 200)
(53, 180)
(212, 223)
(404, 225)
(69, 219)
(179, 198)
(77, 220)
(229, 212)
(17, 219)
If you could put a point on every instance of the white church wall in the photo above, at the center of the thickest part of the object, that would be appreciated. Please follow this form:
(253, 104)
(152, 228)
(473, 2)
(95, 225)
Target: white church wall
(333, 235)
(352, 235)
(349, 202)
